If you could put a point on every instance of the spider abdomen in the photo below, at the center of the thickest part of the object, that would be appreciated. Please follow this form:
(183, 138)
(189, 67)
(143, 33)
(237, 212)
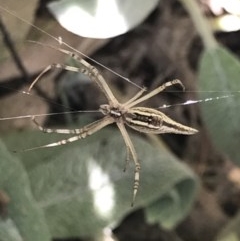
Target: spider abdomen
(143, 119)
(149, 120)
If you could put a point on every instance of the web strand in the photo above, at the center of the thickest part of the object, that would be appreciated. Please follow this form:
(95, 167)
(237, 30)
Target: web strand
(60, 41)
(48, 114)
(192, 102)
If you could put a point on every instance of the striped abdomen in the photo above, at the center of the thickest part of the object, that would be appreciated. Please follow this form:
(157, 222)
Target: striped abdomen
(149, 120)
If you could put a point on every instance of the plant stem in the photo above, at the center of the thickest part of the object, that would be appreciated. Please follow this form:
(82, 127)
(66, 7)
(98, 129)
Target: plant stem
(201, 23)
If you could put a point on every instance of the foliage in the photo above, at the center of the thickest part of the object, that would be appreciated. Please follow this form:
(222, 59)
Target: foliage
(49, 189)
(101, 19)
(25, 219)
(81, 188)
(219, 75)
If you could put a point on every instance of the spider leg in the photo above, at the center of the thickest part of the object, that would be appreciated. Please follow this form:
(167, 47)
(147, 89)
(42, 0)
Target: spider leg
(54, 66)
(59, 131)
(131, 149)
(127, 159)
(82, 132)
(136, 96)
(93, 74)
(84, 68)
(155, 92)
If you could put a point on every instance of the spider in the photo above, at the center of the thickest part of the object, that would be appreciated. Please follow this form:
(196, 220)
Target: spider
(142, 119)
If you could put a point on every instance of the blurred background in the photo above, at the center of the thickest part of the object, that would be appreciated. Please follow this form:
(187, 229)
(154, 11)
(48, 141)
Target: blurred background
(190, 185)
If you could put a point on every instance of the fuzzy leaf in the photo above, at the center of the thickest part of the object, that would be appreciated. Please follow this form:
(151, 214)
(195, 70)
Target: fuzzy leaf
(100, 18)
(24, 219)
(82, 187)
(219, 72)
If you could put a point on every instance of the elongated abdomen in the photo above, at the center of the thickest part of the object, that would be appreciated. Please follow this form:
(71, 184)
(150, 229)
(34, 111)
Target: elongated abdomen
(149, 120)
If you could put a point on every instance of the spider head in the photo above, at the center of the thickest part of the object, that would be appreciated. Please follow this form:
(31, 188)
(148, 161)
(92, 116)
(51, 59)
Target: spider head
(105, 109)
(115, 112)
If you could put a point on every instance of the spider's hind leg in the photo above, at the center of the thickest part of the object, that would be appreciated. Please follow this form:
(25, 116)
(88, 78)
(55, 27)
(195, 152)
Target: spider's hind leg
(127, 160)
(131, 151)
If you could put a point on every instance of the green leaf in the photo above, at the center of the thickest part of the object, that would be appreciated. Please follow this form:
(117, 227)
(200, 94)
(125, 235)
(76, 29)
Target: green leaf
(8, 231)
(82, 187)
(219, 72)
(25, 220)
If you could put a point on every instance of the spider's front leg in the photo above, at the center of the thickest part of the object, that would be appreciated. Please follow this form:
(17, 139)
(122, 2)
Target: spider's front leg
(84, 68)
(131, 150)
